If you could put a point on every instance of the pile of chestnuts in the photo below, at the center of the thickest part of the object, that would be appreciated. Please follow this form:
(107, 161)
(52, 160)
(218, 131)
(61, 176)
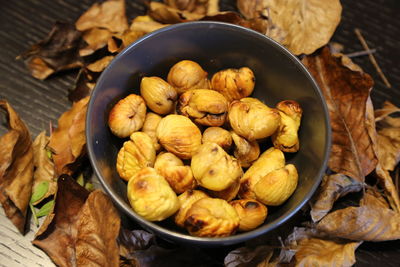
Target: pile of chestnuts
(193, 153)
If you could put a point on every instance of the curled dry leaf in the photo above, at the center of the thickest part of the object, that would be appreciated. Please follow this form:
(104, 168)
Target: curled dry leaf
(244, 256)
(83, 85)
(130, 241)
(44, 167)
(95, 39)
(333, 187)
(346, 92)
(302, 26)
(145, 24)
(82, 229)
(16, 168)
(170, 15)
(100, 65)
(195, 6)
(58, 51)
(109, 14)
(251, 9)
(373, 220)
(311, 249)
(68, 141)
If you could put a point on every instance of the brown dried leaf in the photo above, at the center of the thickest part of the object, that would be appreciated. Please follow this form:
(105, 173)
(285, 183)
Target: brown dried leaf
(109, 14)
(387, 110)
(386, 181)
(245, 256)
(58, 51)
(95, 39)
(346, 92)
(251, 9)
(16, 168)
(169, 15)
(202, 7)
(129, 241)
(302, 26)
(57, 236)
(68, 141)
(44, 166)
(100, 65)
(371, 221)
(98, 226)
(332, 187)
(84, 85)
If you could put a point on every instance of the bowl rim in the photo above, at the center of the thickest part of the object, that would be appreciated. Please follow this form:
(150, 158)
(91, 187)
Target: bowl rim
(186, 238)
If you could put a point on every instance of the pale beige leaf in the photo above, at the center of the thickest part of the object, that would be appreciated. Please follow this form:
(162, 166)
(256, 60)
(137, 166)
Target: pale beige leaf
(333, 187)
(387, 109)
(101, 64)
(95, 39)
(303, 26)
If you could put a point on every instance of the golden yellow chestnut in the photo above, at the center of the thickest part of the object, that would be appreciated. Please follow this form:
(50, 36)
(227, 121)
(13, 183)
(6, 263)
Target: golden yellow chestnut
(213, 168)
(277, 186)
(186, 200)
(127, 116)
(179, 176)
(227, 194)
(252, 119)
(203, 106)
(151, 196)
(135, 154)
(218, 135)
(286, 137)
(251, 213)
(234, 84)
(186, 75)
(245, 151)
(270, 160)
(158, 94)
(150, 124)
(179, 135)
(211, 217)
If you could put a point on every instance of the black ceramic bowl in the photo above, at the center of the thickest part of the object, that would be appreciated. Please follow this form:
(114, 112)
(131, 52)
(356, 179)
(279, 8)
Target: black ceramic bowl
(215, 46)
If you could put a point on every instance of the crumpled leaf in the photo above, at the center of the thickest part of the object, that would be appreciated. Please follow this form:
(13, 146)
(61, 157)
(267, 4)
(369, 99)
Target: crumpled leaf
(346, 90)
(170, 15)
(16, 168)
(251, 9)
(95, 39)
(84, 84)
(109, 14)
(98, 226)
(82, 229)
(68, 141)
(332, 188)
(302, 26)
(373, 220)
(145, 24)
(203, 7)
(312, 249)
(245, 256)
(129, 241)
(58, 51)
(100, 65)
(57, 235)
(44, 168)
(386, 181)
(387, 110)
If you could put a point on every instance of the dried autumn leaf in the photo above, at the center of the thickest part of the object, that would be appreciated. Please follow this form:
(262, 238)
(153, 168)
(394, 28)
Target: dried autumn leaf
(129, 241)
(387, 110)
(311, 249)
(100, 65)
(109, 14)
(68, 141)
(245, 256)
(58, 51)
(302, 26)
(95, 39)
(44, 167)
(97, 227)
(373, 220)
(346, 91)
(251, 9)
(386, 181)
(202, 7)
(145, 24)
(57, 235)
(16, 168)
(169, 15)
(332, 187)
(84, 84)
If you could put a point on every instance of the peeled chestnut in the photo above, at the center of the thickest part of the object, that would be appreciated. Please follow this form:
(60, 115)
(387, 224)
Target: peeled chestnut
(186, 75)
(277, 186)
(203, 106)
(252, 119)
(127, 116)
(270, 160)
(286, 137)
(150, 124)
(227, 194)
(158, 94)
(245, 151)
(213, 168)
(211, 217)
(186, 200)
(179, 135)
(218, 135)
(151, 196)
(179, 177)
(251, 213)
(135, 154)
(234, 84)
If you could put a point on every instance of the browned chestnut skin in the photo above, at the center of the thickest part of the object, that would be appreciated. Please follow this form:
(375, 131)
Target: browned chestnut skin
(245, 151)
(252, 213)
(203, 106)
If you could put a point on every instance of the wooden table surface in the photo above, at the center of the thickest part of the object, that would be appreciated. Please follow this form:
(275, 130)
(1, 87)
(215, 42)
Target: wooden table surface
(23, 23)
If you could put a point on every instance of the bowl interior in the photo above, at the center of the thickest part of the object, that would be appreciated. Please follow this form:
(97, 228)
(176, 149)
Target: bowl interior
(215, 46)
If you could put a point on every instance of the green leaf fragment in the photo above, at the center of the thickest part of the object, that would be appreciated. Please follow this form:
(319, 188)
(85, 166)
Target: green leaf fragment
(39, 191)
(45, 209)
(89, 186)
